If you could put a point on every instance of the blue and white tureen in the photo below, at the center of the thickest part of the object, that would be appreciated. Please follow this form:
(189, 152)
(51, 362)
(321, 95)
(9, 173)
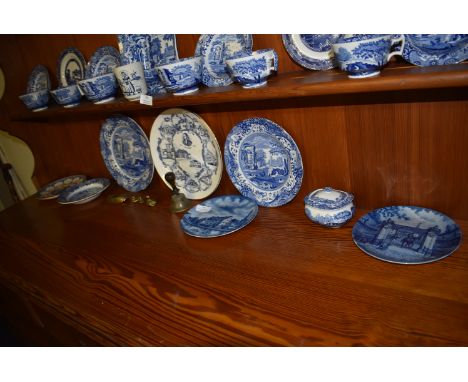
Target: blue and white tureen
(329, 207)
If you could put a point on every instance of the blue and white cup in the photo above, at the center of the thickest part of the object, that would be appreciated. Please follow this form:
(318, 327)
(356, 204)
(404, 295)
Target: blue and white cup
(131, 79)
(182, 76)
(252, 70)
(67, 96)
(362, 58)
(100, 89)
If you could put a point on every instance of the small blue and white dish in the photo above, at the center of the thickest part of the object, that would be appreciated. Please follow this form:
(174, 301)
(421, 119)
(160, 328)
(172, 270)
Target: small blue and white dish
(36, 101)
(99, 89)
(53, 189)
(219, 216)
(70, 67)
(84, 192)
(68, 96)
(252, 70)
(103, 61)
(182, 76)
(407, 234)
(38, 79)
(329, 207)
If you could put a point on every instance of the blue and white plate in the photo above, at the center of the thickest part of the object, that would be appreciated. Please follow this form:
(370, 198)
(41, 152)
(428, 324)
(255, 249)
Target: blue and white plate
(103, 61)
(70, 67)
(151, 50)
(219, 216)
(312, 51)
(84, 192)
(126, 153)
(263, 162)
(55, 188)
(38, 79)
(215, 49)
(435, 49)
(182, 143)
(407, 234)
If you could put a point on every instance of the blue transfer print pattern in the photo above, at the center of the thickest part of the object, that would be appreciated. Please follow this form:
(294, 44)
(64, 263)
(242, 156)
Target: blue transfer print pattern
(87, 190)
(101, 88)
(67, 96)
(38, 79)
(332, 221)
(103, 61)
(36, 100)
(129, 83)
(343, 199)
(180, 77)
(70, 67)
(53, 189)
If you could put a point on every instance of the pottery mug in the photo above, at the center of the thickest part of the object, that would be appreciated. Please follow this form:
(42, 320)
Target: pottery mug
(131, 78)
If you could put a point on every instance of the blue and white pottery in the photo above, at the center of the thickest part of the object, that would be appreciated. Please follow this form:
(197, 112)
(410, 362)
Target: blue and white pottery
(151, 50)
(99, 89)
(53, 189)
(407, 234)
(252, 70)
(329, 207)
(182, 76)
(181, 142)
(83, 192)
(126, 153)
(263, 162)
(131, 78)
(36, 101)
(103, 61)
(215, 50)
(38, 79)
(68, 96)
(70, 67)
(219, 216)
(435, 49)
(312, 51)
(362, 58)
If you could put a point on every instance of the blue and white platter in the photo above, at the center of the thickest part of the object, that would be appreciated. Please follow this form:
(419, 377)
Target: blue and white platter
(263, 162)
(407, 234)
(312, 51)
(219, 216)
(215, 49)
(126, 153)
(151, 50)
(84, 192)
(70, 67)
(53, 189)
(181, 142)
(103, 61)
(435, 49)
(38, 79)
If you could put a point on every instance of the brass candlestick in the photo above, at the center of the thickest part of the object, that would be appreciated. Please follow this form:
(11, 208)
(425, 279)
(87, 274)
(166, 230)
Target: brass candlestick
(179, 202)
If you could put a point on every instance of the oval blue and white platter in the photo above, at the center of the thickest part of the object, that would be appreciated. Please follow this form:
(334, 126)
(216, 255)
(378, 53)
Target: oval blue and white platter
(263, 162)
(219, 216)
(53, 189)
(126, 153)
(407, 234)
(38, 79)
(84, 192)
(70, 67)
(103, 61)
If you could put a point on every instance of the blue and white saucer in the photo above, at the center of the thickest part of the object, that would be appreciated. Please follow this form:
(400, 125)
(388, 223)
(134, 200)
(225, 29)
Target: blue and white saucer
(126, 153)
(38, 79)
(182, 143)
(53, 189)
(219, 216)
(103, 61)
(263, 162)
(70, 67)
(435, 49)
(312, 51)
(215, 49)
(84, 192)
(407, 234)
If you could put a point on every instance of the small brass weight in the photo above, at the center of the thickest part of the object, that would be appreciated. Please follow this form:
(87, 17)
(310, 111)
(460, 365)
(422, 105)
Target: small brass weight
(179, 202)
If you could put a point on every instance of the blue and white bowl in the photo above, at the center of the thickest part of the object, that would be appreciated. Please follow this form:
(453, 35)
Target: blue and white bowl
(36, 101)
(182, 76)
(67, 96)
(99, 89)
(329, 207)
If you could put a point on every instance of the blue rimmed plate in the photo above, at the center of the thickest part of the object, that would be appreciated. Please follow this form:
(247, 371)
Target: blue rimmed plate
(219, 216)
(263, 162)
(126, 153)
(38, 79)
(407, 234)
(84, 192)
(103, 61)
(53, 189)
(70, 67)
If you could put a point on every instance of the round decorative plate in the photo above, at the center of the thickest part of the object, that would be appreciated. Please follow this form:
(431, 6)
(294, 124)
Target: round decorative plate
(215, 49)
(103, 61)
(84, 192)
(70, 67)
(263, 162)
(312, 51)
(407, 234)
(182, 143)
(53, 189)
(219, 216)
(126, 153)
(38, 79)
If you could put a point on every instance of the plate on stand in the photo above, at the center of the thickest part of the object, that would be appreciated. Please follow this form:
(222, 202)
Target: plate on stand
(53, 189)
(84, 192)
(70, 67)
(38, 79)
(103, 61)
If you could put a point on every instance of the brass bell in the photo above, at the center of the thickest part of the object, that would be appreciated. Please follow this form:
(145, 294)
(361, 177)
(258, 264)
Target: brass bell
(179, 202)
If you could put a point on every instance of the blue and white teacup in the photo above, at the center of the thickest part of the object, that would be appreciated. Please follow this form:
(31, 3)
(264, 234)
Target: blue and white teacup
(131, 78)
(362, 58)
(36, 101)
(100, 89)
(181, 76)
(251, 70)
(67, 96)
